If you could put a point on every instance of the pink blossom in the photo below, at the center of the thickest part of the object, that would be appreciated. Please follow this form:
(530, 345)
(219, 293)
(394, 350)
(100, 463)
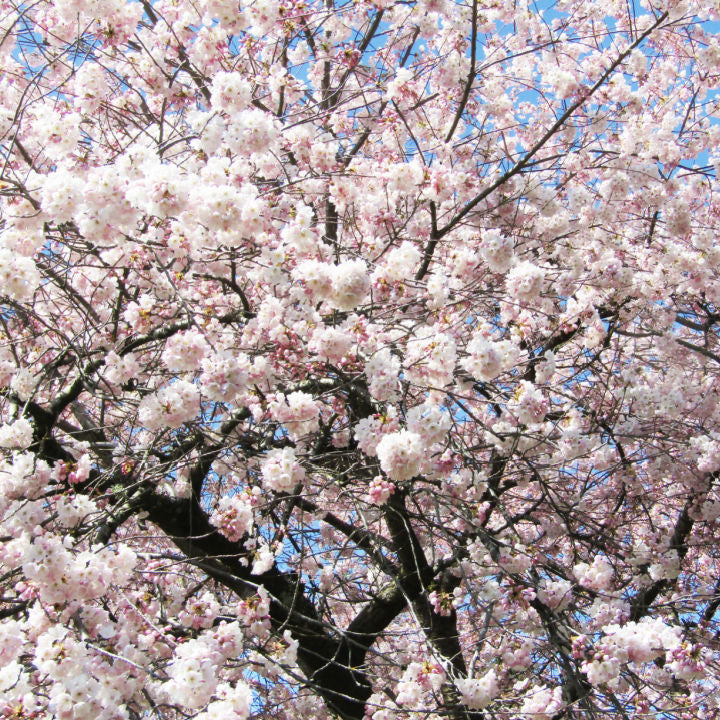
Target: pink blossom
(370, 430)
(380, 490)
(298, 412)
(596, 576)
(281, 471)
(350, 285)
(401, 455)
(17, 434)
(525, 282)
(233, 517)
(230, 92)
(543, 703)
(430, 358)
(171, 406)
(478, 693)
(382, 371)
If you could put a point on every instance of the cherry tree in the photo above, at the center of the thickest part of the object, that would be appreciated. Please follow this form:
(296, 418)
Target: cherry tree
(359, 360)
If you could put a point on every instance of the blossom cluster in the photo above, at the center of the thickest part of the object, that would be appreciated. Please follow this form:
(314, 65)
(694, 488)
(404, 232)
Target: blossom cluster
(281, 471)
(401, 455)
(478, 692)
(171, 406)
(634, 642)
(233, 517)
(344, 286)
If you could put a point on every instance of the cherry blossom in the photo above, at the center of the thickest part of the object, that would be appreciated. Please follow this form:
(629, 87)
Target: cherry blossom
(359, 360)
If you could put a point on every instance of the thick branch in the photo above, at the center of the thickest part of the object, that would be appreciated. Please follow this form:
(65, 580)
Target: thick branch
(415, 579)
(324, 660)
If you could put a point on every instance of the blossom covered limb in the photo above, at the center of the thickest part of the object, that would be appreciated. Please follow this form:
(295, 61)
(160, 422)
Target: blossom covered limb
(642, 602)
(526, 159)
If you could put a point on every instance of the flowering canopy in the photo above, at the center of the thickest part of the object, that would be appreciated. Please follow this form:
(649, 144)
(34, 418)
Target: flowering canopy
(359, 359)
